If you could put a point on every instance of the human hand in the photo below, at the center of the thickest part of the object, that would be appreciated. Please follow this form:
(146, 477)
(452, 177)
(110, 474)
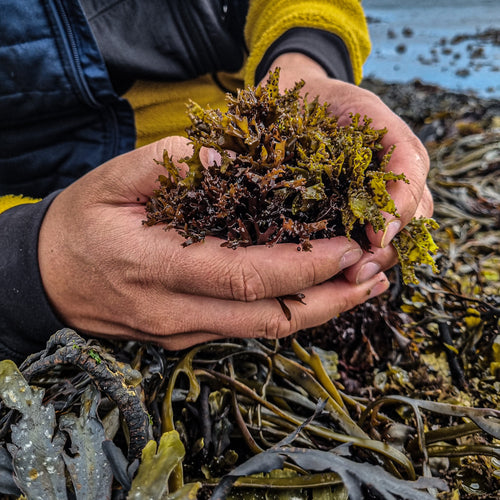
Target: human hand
(108, 275)
(409, 157)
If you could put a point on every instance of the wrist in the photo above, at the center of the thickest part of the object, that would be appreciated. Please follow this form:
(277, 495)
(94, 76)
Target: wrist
(294, 67)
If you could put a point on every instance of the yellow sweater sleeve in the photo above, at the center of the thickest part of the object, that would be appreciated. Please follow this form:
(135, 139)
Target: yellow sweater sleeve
(160, 107)
(268, 20)
(11, 200)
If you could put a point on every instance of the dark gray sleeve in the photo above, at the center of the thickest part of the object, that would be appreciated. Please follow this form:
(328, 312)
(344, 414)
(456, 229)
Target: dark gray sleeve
(26, 317)
(324, 47)
(182, 40)
(166, 40)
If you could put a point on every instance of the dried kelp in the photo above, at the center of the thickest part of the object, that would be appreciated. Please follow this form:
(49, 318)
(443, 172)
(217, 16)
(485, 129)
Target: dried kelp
(157, 464)
(67, 348)
(288, 173)
(353, 474)
(249, 401)
(41, 448)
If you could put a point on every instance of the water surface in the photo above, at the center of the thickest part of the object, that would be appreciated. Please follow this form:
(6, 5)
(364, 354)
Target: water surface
(452, 43)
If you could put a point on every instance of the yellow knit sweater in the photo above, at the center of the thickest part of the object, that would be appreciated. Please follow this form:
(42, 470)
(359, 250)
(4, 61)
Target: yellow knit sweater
(160, 107)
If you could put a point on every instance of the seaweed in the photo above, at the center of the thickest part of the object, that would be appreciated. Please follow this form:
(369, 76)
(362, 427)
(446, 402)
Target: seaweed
(392, 399)
(289, 172)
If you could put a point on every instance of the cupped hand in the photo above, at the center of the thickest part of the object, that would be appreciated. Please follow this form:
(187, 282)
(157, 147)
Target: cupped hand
(409, 157)
(108, 275)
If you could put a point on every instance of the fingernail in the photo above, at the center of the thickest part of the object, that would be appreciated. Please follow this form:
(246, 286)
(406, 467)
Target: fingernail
(390, 231)
(367, 271)
(350, 258)
(379, 287)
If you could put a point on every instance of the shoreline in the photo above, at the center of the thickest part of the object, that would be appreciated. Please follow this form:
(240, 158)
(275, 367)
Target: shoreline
(435, 113)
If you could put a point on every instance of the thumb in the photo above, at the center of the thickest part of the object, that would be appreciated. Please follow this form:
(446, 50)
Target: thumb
(133, 176)
(145, 160)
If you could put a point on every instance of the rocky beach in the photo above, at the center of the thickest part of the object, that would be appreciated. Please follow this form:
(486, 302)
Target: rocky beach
(403, 390)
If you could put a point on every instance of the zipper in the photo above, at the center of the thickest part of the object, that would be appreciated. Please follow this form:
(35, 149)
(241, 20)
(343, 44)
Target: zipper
(73, 56)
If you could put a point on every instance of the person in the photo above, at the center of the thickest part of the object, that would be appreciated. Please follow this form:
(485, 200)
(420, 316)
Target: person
(91, 94)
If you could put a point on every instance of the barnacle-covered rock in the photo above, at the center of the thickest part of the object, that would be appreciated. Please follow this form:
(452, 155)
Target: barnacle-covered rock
(288, 173)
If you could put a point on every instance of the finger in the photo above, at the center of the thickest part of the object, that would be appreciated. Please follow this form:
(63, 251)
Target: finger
(264, 318)
(328, 300)
(425, 207)
(245, 274)
(409, 157)
(183, 341)
(381, 259)
(173, 342)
